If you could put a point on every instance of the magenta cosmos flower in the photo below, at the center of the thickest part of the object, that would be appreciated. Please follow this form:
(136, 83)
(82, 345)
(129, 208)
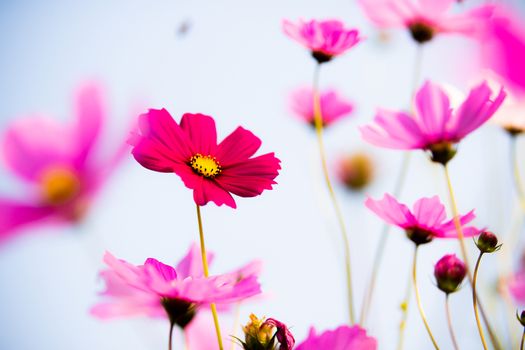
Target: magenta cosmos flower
(333, 106)
(213, 171)
(158, 290)
(426, 18)
(426, 221)
(326, 39)
(435, 126)
(61, 165)
(342, 338)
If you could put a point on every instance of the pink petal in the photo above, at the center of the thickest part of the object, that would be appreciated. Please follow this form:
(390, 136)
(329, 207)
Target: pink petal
(15, 215)
(516, 286)
(240, 145)
(167, 272)
(161, 144)
(210, 191)
(448, 229)
(191, 264)
(388, 13)
(199, 336)
(250, 177)
(436, 7)
(201, 131)
(391, 211)
(429, 212)
(433, 110)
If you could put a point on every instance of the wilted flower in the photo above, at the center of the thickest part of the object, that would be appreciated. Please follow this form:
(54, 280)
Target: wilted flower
(158, 290)
(261, 334)
(435, 126)
(355, 171)
(62, 165)
(325, 39)
(425, 222)
(426, 18)
(450, 273)
(342, 338)
(333, 106)
(213, 171)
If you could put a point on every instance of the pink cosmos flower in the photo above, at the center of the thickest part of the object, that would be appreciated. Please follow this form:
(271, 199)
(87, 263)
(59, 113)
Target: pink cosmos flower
(426, 18)
(333, 106)
(435, 126)
(503, 48)
(61, 165)
(190, 150)
(199, 336)
(426, 221)
(516, 286)
(342, 338)
(325, 39)
(158, 290)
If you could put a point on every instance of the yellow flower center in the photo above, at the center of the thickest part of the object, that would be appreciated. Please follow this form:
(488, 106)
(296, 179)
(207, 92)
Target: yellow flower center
(206, 166)
(59, 185)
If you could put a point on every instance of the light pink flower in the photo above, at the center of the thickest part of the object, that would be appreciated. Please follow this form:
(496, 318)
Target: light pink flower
(200, 334)
(426, 221)
(503, 48)
(153, 288)
(62, 165)
(516, 286)
(435, 125)
(325, 39)
(342, 338)
(426, 18)
(333, 106)
(190, 150)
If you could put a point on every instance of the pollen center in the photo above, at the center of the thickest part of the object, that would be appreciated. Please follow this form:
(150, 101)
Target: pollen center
(59, 185)
(206, 166)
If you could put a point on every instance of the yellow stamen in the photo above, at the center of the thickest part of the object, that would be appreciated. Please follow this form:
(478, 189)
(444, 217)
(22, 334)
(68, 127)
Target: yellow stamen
(59, 185)
(206, 166)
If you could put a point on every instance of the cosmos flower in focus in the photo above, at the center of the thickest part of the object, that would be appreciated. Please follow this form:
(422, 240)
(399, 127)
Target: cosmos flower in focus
(435, 126)
(62, 165)
(190, 150)
(355, 171)
(426, 18)
(325, 39)
(425, 222)
(158, 290)
(333, 106)
(342, 338)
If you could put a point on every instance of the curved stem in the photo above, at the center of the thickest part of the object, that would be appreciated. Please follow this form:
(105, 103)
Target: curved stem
(418, 299)
(475, 302)
(463, 247)
(449, 321)
(404, 308)
(378, 255)
(207, 274)
(522, 345)
(170, 338)
(318, 121)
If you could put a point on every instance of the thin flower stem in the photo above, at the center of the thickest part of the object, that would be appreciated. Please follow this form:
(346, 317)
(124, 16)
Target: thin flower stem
(418, 299)
(449, 321)
(475, 302)
(318, 121)
(186, 340)
(207, 274)
(518, 182)
(170, 338)
(236, 322)
(522, 345)
(463, 247)
(404, 308)
(378, 255)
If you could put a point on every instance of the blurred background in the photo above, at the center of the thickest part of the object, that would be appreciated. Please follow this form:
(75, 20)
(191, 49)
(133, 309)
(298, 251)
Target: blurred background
(230, 60)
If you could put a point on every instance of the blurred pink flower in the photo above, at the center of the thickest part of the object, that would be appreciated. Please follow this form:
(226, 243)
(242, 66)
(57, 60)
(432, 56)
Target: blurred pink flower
(516, 286)
(342, 338)
(435, 126)
(199, 336)
(333, 106)
(158, 290)
(61, 164)
(503, 48)
(426, 18)
(425, 222)
(325, 39)
(190, 150)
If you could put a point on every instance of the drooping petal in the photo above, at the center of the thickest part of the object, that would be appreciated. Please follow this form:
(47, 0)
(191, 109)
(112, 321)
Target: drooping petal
(14, 215)
(161, 143)
(201, 131)
(429, 212)
(433, 110)
(210, 191)
(237, 147)
(390, 210)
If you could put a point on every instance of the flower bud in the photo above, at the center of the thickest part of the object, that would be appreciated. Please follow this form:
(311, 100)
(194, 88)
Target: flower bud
(261, 334)
(487, 242)
(355, 171)
(449, 272)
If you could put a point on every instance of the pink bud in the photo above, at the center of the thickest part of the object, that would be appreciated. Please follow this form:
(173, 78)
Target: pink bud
(449, 272)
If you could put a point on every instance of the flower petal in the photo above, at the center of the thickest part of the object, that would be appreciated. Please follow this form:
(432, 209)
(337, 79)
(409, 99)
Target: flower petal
(433, 110)
(209, 190)
(191, 264)
(391, 211)
(240, 145)
(201, 131)
(14, 215)
(429, 212)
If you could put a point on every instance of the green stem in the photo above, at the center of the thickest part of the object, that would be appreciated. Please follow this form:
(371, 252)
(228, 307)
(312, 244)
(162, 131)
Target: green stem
(404, 308)
(475, 302)
(318, 121)
(449, 321)
(522, 340)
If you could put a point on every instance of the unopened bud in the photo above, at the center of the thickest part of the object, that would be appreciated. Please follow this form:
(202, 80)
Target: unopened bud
(487, 242)
(450, 273)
